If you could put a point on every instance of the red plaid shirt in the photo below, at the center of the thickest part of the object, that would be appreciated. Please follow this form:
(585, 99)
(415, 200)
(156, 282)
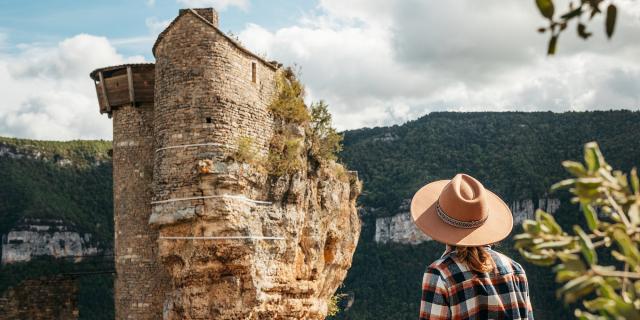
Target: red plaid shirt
(450, 291)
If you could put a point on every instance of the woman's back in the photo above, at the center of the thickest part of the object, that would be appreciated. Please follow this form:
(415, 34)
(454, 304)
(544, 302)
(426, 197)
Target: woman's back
(451, 290)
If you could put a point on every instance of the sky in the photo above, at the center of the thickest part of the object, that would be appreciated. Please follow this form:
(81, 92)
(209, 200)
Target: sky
(375, 62)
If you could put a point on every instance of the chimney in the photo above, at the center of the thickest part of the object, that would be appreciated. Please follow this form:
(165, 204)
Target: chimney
(208, 14)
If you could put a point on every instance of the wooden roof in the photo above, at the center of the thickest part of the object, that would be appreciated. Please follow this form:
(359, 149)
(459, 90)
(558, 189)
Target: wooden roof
(137, 66)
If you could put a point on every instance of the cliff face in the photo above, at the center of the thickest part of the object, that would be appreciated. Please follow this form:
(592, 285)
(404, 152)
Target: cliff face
(63, 154)
(36, 237)
(280, 257)
(401, 229)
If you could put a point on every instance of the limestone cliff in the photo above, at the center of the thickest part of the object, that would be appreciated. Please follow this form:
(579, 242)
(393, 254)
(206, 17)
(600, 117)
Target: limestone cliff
(62, 154)
(399, 228)
(36, 237)
(285, 255)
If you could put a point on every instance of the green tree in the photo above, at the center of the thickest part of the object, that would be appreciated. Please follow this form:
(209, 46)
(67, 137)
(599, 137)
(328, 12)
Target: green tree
(288, 103)
(576, 12)
(325, 141)
(599, 266)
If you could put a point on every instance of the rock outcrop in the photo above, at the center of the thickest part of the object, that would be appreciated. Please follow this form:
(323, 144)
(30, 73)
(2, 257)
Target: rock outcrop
(36, 237)
(400, 228)
(526, 208)
(74, 158)
(281, 257)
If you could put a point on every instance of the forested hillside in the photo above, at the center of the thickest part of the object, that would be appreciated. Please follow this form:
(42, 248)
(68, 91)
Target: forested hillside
(57, 180)
(68, 181)
(517, 155)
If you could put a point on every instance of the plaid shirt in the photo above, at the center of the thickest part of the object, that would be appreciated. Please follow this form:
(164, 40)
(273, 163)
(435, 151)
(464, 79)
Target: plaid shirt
(451, 291)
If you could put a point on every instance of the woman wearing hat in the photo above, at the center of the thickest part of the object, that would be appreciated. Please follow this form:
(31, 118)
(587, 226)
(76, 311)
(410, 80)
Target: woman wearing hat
(470, 280)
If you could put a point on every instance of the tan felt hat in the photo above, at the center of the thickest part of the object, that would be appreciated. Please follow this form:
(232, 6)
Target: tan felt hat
(461, 212)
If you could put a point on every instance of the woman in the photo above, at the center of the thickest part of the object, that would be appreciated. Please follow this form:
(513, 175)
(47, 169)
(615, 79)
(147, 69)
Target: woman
(470, 280)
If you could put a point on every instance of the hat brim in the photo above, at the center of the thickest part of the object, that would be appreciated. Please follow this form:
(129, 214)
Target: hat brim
(423, 212)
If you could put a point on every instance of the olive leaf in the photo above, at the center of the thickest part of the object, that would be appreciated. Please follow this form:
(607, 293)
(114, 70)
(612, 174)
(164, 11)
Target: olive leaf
(597, 188)
(590, 216)
(610, 21)
(586, 246)
(546, 8)
(575, 12)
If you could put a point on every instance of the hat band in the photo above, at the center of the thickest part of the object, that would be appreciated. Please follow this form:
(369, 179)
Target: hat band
(458, 223)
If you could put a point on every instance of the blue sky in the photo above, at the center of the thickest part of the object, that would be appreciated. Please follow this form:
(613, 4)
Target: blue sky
(375, 62)
(125, 21)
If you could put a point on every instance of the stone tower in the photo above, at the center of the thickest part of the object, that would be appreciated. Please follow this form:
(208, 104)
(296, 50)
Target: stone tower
(125, 93)
(210, 92)
(236, 241)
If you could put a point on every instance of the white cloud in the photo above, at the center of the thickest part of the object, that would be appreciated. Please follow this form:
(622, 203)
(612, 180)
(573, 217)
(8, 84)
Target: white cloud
(379, 62)
(376, 62)
(47, 92)
(220, 5)
(156, 25)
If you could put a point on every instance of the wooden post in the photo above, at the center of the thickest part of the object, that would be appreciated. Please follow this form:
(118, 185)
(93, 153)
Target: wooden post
(104, 92)
(132, 95)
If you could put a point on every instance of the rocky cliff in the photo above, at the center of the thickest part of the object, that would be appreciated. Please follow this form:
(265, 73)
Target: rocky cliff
(63, 154)
(281, 257)
(399, 228)
(255, 219)
(36, 237)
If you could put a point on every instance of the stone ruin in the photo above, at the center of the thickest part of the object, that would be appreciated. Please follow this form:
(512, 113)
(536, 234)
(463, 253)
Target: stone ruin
(40, 299)
(198, 234)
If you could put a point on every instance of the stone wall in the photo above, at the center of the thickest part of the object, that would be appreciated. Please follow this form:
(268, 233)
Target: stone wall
(141, 281)
(205, 94)
(41, 299)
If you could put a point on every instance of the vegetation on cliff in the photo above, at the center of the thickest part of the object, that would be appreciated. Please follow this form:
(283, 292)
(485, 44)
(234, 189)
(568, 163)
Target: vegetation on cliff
(301, 131)
(60, 180)
(516, 154)
(79, 153)
(40, 187)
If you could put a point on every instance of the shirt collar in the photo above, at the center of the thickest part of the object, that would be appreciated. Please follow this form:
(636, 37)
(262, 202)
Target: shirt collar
(448, 249)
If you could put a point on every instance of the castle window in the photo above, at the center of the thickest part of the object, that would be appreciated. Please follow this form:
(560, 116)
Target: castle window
(253, 72)
(208, 119)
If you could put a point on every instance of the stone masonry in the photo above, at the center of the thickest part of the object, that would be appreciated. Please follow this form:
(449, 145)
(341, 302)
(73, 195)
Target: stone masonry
(141, 281)
(41, 299)
(125, 93)
(235, 242)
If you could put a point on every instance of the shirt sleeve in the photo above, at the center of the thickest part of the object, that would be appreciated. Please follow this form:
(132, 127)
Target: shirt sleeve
(528, 300)
(434, 304)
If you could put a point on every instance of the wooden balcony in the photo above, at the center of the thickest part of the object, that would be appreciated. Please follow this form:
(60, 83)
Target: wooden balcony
(124, 84)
